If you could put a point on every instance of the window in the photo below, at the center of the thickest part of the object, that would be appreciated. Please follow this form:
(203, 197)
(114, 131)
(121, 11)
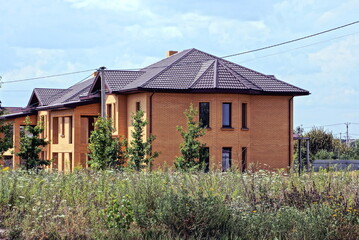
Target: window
(55, 160)
(204, 158)
(226, 158)
(244, 115)
(204, 114)
(109, 110)
(138, 106)
(244, 159)
(87, 126)
(70, 130)
(63, 127)
(55, 130)
(226, 115)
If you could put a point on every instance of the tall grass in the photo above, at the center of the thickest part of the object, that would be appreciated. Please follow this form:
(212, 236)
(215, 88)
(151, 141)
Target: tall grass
(170, 205)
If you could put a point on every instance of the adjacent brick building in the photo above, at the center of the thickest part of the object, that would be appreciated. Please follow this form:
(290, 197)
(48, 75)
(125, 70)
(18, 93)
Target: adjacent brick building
(248, 115)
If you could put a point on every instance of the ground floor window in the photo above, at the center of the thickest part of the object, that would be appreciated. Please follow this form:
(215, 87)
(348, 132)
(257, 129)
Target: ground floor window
(244, 159)
(204, 159)
(226, 158)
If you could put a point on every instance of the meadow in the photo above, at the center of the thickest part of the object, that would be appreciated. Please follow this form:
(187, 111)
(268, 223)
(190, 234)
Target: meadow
(108, 204)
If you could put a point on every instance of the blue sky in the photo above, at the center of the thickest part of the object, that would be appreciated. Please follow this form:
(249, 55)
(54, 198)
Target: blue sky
(40, 37)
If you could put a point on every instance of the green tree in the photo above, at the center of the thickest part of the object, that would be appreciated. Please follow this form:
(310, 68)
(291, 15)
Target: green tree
(31, 144)
(106, 151)
(140, 153)
(5, 135)
(191, 148)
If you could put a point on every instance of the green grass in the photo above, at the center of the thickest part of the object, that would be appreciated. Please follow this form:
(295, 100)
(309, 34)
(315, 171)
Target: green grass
(173, 205)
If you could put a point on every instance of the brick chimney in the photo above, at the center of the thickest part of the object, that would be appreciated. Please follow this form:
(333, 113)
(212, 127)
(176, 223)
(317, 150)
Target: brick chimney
(170, 53)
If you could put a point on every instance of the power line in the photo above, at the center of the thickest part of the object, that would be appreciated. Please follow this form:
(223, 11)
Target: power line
(293, 40)
(329, 125)
(292, 49)
(227, 56)
(48, 76)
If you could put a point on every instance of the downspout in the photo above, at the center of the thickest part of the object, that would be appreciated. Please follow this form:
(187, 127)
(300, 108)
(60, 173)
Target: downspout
(151, 118)
(103, 92)
(290, 104)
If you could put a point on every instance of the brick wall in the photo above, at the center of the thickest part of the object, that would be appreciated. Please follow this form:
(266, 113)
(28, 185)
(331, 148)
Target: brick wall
(266, 140)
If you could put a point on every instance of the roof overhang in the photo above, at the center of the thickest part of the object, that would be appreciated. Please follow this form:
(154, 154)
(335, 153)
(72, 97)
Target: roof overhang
(213, 90)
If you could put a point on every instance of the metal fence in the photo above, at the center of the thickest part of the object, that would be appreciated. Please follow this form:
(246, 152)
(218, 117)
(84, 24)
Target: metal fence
(335, 165)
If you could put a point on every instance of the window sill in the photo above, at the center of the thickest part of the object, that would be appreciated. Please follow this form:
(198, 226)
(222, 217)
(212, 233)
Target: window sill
(245, 129)
(227, 129)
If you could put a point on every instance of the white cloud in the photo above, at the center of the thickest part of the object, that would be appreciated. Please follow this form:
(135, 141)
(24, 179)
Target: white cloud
(338, 60)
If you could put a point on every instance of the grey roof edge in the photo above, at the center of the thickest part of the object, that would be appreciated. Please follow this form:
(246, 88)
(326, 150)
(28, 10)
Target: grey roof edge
(168, 66)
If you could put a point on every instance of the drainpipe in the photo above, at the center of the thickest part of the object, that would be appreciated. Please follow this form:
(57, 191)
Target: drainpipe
(103, 92)
(151, 112)
(151, 119)
(290, 104)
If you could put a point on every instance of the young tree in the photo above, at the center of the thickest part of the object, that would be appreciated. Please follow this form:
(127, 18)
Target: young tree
(31, 144)
(191, 148)
(139, 151)
(105, 151)
(5, 135)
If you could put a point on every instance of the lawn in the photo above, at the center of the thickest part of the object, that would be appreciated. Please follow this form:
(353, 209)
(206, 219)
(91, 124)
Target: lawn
(169, 205)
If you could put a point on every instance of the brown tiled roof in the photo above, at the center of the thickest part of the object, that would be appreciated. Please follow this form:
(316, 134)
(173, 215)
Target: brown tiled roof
(193, 70)
(11, 110)
(187, 71)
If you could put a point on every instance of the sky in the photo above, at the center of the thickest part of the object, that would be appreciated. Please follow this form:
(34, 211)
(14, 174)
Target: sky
(41, 37)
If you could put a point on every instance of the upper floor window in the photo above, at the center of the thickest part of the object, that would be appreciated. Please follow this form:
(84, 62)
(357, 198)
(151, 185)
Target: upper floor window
(227, 115)
(138, 106)
(109, 110)
(204, 114)
(244, 115)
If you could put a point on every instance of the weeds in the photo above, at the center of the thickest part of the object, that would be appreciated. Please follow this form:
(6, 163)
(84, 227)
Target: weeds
(169, 205)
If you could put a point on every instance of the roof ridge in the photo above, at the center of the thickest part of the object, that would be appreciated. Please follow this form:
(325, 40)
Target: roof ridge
(245, 84)
(233, 73)
(215, 74)
(200, 76)
(167, 67)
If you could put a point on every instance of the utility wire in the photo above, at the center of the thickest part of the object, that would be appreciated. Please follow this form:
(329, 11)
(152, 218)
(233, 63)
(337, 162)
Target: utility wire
(290, 41)
(227, 56)
(48, 76)
(335, 124)
(292, 49)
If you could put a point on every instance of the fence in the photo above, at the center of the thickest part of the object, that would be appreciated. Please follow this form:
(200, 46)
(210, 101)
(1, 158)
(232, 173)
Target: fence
(335, 165)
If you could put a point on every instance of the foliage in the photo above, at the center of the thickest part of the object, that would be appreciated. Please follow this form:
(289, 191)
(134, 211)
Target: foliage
(5, 135)
(179, 205)
(119, 214)
(191, 148)
(31, 145)
(323, 155)
(323, 145)
(140, 153)
(320, 139)
(106, 151)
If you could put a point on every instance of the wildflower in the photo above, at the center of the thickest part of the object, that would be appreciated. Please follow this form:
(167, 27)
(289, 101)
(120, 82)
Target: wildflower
(334, 215)
(254, 211)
